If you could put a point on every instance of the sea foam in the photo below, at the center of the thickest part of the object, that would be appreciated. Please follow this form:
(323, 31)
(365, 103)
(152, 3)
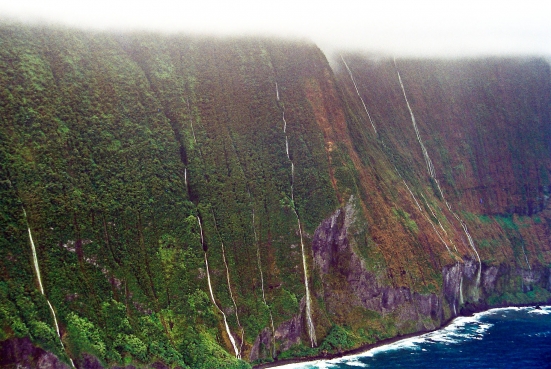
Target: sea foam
(461, 329)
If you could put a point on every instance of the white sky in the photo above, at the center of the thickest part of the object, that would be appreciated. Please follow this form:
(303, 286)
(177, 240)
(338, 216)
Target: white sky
(399, 27)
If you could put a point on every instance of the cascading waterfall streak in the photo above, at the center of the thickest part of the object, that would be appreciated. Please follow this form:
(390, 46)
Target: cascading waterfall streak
(428, 219)
(384, 145)
(309, 321)
(432, 174)
(439, 223)
(397, 171)
(228, 331)
(191, 123)
(311, 329)
(259, 262)
(358, 92)
(430, 167)
(229, 282)
(39, 278)
(258, 259)
(287, 147)
(461, 301)
(423, 213)
(526, 258)
(412, 195)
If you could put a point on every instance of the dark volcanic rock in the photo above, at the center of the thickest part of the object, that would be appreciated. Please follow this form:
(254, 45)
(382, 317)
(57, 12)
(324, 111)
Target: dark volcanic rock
(89, 362)
(489, 278)
(21, 353)
(287, 334)
(262, 345)
(335, 257)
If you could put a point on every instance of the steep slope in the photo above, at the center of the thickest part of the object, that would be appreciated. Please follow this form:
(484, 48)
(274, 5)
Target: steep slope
(196, 201)
(417, 124)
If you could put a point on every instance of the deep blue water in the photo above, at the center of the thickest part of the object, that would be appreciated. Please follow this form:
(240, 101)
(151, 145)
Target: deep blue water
(498, 338)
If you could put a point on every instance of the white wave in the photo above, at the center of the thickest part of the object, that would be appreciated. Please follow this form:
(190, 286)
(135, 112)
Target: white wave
(355, 363)
(461, 329)
(458, 331)
(317, 364)
(483, 328)
(544, 310)
(540, 311)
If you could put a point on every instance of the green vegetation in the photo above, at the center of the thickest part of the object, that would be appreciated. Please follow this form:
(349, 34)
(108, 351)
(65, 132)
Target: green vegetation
(115, 144)
(406, 220)
(536, 295)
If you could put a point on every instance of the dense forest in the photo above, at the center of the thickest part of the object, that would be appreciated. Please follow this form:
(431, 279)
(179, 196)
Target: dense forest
(171, 201)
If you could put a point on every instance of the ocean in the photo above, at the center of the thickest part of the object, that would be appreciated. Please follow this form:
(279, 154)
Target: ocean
(498, 338)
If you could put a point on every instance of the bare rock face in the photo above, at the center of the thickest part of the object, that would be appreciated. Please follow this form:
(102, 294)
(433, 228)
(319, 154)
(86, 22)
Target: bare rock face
(89, 362)
(262, 345)
(470, 268)
(286, 335)
(489, 279)
(347, 282)
(21, 353)
(451, 276)
(347, 286)
(530, 276)
(49, 361)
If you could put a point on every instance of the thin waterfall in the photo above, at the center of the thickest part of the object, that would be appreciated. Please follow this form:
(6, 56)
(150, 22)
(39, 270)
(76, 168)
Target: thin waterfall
(461, 301)
(35, 258)
(471, 242)
(397, 171)
(39, 278)
(287, 147)
(277, 92)
(430, 167)
(311, 329)
(258, 259)
(358, 92)
(428, 219)
(526, 258)
(432, 173)
(423, 213)
(412, 195)
(228, 331)
(191, 122)
(259, 262)
(229, 282)
(439, 223)
(466, 230)
(309, 321)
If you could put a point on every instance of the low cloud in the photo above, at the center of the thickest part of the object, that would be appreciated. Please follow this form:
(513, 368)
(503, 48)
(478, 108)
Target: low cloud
(397, 27)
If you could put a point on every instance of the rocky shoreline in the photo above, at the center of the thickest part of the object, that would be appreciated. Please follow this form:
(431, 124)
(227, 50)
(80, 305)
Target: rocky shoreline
(466, 311)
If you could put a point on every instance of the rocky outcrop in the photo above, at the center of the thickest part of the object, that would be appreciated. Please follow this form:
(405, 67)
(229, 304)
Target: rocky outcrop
(21, 353)
(118, 142)
(347, 282)
(287, 335)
